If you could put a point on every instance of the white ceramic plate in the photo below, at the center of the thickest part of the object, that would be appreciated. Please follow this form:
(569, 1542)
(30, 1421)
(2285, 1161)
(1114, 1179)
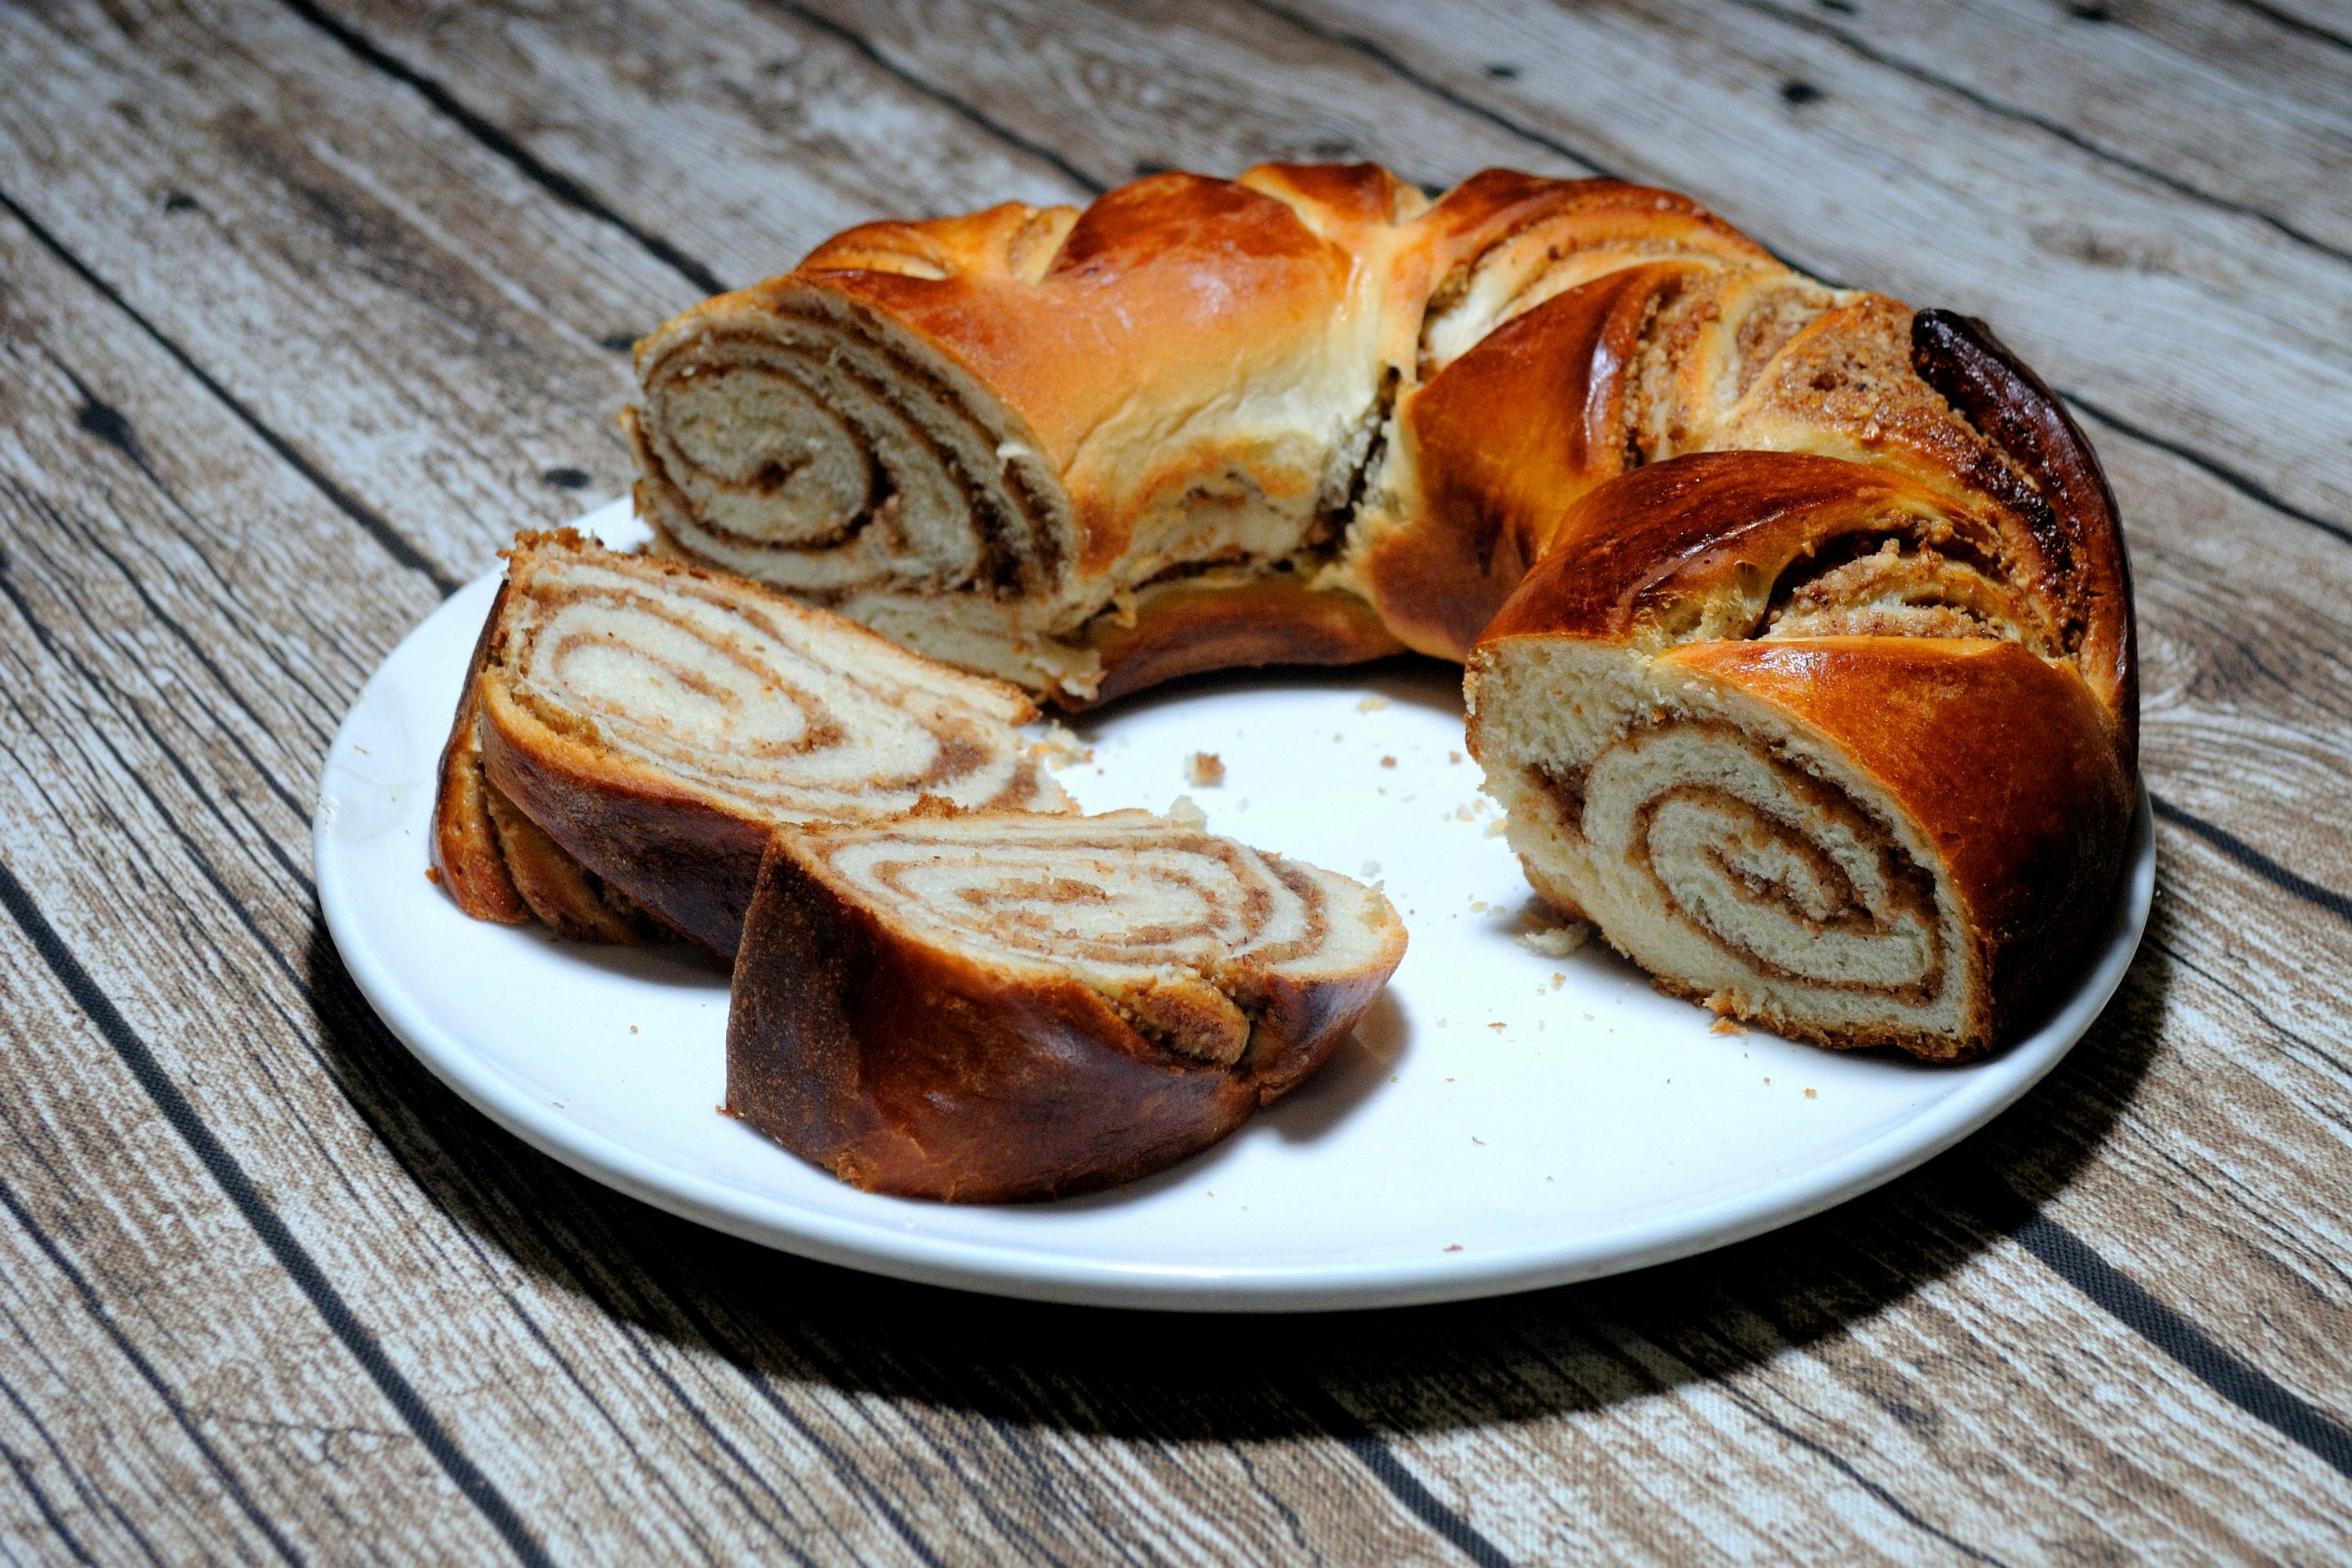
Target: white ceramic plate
(1503, 1119)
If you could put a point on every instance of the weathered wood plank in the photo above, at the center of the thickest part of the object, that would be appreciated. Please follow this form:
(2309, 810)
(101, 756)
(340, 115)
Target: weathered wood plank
(819, 134)
(395, 300)
(2253, 144)
(1933, 1467)
(2300, 51)
(166, 1392)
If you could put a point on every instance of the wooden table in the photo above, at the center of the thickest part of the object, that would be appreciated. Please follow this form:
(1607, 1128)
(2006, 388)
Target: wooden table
(306, 307)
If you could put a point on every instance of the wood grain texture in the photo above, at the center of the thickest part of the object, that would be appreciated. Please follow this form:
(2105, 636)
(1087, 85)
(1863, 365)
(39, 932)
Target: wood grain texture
(303, 306)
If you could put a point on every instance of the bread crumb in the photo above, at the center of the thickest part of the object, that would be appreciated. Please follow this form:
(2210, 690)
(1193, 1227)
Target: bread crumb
(1371, 704)
(1556, 941)
(1457, 757)
(1497, 827)
(1558, 979)
(1809, 1095)
(433, 875)
(1726, 1026)
(1206, 771)
(1477, 906)
(1388, 761)
(1456, 1248)
(1183, 813)
(1495, 1025)
(632, 1028)
(1372, 868)
(1060, 748)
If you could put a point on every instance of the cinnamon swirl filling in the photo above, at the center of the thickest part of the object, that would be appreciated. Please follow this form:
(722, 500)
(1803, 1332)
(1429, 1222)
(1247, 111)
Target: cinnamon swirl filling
(1180, 930)
(753, 702)
(1780, 869)
(808, 456)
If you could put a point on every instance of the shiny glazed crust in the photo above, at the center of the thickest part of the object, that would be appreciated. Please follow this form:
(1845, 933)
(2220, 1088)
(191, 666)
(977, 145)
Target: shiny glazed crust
(1314, 372)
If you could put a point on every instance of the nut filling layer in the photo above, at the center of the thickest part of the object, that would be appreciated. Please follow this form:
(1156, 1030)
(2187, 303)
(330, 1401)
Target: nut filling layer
(1775, 866)
(712, 687)
(1140, 915)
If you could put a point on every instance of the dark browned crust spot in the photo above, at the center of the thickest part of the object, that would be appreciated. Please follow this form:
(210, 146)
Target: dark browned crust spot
(2069, 503)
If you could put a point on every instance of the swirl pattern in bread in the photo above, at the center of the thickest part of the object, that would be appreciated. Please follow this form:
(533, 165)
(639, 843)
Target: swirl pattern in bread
(1011, 439)
(989, 1007)
(1813, 743)
(634, 730)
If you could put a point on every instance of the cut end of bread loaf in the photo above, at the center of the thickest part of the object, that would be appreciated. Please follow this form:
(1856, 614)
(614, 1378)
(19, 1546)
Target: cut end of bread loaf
(1795, 831)
(983, 435)
(986, 1006)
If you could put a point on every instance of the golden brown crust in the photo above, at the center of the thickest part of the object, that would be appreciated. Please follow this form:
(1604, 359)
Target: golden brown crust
(1531, 339)
(1339, 201)
(465, 840)
(907, 1068)
(2006, 763)
(563, 894)
(1552, 220)
(687, 863)
(1703, 546)
(1633, 555)
(1533, 416)
(1119, 315)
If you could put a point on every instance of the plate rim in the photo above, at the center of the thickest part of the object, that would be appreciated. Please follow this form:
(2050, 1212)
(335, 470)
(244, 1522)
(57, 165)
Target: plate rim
(1022, 1272)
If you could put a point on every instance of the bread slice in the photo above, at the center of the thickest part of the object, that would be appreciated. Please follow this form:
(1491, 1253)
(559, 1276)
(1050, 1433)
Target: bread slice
(633, 730)
(992, 1006)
